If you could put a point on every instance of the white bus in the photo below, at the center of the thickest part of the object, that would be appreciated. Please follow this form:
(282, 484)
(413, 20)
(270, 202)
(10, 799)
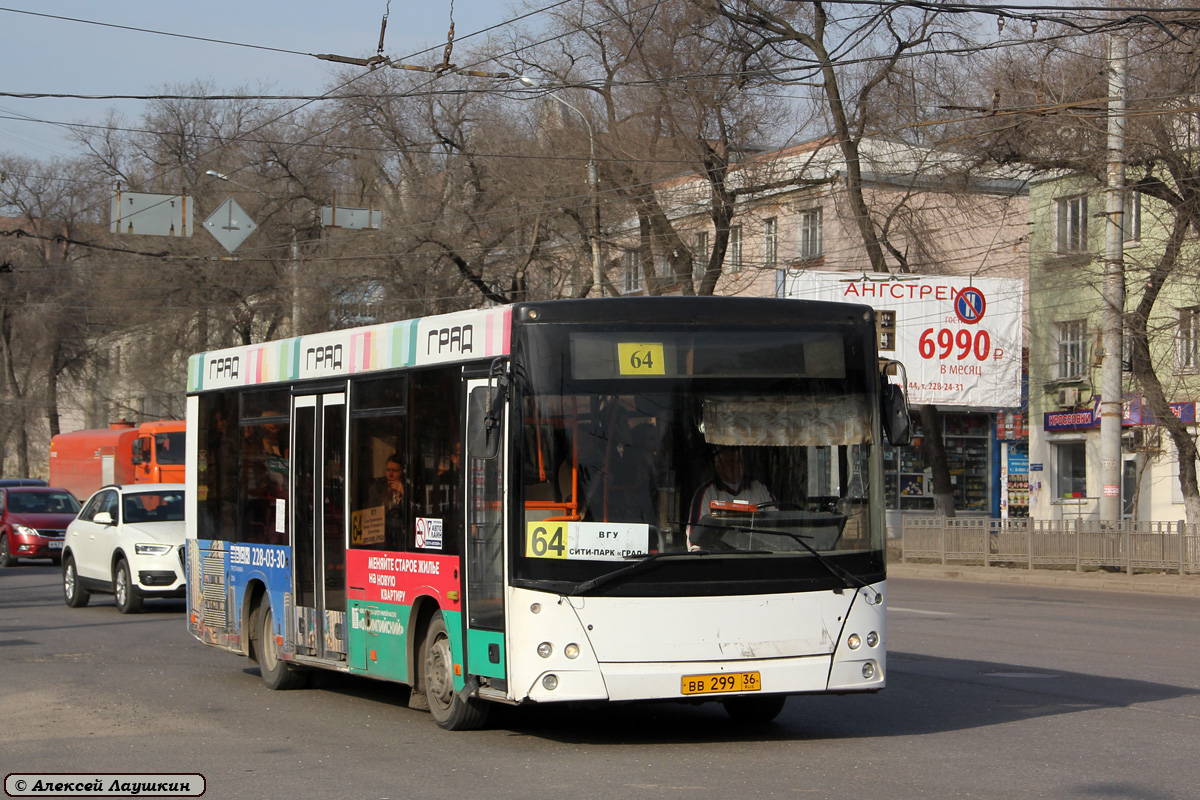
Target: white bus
(531, 503)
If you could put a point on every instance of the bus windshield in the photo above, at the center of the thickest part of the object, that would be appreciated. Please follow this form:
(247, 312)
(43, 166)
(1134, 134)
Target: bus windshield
(754, 447)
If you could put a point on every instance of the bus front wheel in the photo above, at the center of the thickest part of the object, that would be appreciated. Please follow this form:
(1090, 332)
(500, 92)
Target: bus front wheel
(276, 673)
(450, 710)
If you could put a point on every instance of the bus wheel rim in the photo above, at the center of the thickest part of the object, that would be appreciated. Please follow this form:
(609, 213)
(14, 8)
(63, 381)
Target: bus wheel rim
(440, 681)
(270, 658)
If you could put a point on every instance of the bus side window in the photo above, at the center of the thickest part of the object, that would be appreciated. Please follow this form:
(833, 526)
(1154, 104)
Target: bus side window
(436, 472)
(379, 434)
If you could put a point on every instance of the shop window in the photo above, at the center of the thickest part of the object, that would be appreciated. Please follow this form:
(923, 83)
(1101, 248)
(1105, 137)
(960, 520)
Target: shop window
(1072, 349)
(908, 477)
(1072, 224)
(1071, 478)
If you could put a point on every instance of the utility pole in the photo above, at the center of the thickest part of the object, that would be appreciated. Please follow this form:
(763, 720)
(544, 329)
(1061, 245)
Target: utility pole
(593, 186)
(1114, 288)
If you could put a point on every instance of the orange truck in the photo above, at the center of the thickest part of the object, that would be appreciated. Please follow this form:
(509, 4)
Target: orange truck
(83, 461)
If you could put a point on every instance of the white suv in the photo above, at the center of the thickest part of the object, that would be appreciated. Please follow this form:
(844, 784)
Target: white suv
(127, 541)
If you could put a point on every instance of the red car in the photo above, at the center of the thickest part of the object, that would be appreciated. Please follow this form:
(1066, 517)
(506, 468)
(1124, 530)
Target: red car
(32, 522)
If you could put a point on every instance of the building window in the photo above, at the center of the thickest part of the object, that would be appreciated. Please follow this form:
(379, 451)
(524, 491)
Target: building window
(632, 264)
(1126, 349)
(1072, 470)
(1072, 348)
(733, 253)
(1131, 220)
(1072, 224)
(700, 255)
(771, 242)
(1187, 340)
(810, 234)
(885, 326)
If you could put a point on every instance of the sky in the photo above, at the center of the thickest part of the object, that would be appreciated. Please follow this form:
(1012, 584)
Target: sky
(41, 54)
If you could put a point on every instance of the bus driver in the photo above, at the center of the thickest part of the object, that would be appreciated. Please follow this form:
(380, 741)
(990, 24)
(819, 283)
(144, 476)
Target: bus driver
(728, 485)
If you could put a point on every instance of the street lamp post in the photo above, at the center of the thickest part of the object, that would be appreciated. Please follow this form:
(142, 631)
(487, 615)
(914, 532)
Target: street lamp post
(593, 183)
(294, 265)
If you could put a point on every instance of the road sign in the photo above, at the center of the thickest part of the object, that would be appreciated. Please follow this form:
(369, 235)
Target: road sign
(145, 214)
(970, 305)
(351, 218)
(230, 225)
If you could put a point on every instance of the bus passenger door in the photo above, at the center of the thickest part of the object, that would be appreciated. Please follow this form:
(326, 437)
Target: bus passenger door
(319, 524)
(485, 515)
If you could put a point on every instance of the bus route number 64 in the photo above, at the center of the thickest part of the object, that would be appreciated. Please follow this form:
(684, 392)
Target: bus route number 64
(546, 540)
(639, 358)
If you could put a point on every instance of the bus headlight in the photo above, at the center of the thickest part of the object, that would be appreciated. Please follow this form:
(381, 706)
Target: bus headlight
(571, 650)
(550, 682)
(872, 639)
(869, 670)
(545, 649)
(854, 641)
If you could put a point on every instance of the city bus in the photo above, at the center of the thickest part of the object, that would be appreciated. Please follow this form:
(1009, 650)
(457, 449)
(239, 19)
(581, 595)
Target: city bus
(516, 505)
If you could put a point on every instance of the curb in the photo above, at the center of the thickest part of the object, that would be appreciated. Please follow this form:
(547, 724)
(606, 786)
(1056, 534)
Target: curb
(1163, 584)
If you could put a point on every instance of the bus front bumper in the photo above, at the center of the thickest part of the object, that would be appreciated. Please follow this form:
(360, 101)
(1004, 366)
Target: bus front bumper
(701, 681)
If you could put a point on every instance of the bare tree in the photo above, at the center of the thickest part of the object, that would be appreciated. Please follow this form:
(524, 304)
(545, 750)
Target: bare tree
(43, 335)
(666, 90)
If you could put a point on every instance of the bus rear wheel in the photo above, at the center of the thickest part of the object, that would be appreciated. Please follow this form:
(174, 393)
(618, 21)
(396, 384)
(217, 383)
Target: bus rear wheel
(276, 673)
(450, 710)
(756, 709)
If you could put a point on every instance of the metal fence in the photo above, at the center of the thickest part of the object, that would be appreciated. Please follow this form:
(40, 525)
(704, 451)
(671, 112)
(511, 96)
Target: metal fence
(1050, 544)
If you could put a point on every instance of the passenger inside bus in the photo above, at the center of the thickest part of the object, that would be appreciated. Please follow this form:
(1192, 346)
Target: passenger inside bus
(390, 491)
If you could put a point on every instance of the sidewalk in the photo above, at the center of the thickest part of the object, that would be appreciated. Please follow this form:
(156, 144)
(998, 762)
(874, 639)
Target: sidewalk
(1183, 585)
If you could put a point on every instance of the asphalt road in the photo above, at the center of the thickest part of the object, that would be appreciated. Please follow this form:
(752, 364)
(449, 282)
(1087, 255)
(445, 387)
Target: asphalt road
(994, 691)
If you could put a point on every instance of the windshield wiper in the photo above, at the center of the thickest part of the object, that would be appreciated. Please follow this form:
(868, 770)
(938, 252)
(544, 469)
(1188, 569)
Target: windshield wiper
(849, 579)
(646, 561)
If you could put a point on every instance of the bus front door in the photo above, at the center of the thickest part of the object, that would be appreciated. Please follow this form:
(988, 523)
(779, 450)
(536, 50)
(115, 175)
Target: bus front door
(485, 515)
(319, 524)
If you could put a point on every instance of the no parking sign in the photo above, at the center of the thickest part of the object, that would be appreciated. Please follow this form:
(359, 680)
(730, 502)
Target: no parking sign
(970, 305)
(428, 534)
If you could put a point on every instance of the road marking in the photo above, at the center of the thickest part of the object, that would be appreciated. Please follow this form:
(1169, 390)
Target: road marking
(926, 613)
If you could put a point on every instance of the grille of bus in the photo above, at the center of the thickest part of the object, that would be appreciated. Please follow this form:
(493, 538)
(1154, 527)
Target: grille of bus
(212, 594)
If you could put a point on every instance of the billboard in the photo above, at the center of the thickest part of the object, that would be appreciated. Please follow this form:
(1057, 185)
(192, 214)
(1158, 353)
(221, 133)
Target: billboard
(959, 338)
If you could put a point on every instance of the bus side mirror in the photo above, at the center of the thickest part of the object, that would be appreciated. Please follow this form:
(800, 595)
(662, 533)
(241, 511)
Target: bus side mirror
(897, 423)
(486, 413)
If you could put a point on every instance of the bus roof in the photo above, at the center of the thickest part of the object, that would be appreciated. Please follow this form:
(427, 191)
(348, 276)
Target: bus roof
(464, 336)
(446, 338)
